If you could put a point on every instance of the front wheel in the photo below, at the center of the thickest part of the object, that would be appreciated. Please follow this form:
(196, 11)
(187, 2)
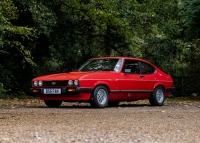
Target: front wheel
(158, 97)
(53, 103)
(99, 97)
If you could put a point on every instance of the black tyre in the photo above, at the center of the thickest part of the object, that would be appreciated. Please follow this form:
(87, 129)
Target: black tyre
(99, 97)
(92, 104)
(53, 103)
(158, 97)
(113, 103)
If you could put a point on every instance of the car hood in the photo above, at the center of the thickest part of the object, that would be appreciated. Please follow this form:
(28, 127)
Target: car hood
(63, 76)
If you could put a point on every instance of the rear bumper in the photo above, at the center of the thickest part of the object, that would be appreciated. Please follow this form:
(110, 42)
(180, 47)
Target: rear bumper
(170, 89)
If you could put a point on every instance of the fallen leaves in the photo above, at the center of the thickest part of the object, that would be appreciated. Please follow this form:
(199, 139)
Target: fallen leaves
(16, 103)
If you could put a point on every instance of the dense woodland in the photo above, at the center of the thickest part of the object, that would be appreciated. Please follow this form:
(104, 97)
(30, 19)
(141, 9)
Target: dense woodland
(41, 37)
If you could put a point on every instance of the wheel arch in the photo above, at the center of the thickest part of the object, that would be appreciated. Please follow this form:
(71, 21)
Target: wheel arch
(100, 84)
(160, 85)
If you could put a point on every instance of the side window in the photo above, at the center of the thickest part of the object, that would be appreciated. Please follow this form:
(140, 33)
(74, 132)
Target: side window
(131, 66)
(146, 68)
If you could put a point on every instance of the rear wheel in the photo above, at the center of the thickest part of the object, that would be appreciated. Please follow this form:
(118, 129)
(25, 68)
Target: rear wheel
(99, 97)
(158, 97)
(53, 103)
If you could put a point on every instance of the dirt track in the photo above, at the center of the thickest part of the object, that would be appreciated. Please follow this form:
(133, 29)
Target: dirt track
(30, 121)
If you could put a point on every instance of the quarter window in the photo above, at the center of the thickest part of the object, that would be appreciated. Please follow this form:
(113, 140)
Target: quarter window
(146, 68)
(118, 65)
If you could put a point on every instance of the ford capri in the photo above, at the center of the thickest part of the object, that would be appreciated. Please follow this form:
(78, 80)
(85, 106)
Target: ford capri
(105, 81)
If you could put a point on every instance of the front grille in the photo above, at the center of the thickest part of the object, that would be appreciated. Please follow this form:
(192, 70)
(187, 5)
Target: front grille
(55, 83)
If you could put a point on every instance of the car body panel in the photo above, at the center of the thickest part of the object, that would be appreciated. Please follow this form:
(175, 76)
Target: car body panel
(121, 86)
(71, 97)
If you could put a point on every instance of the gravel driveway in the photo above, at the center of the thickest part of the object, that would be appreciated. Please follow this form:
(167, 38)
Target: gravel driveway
(30, 121)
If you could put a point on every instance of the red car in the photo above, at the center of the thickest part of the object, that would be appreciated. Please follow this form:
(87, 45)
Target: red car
(105, 82)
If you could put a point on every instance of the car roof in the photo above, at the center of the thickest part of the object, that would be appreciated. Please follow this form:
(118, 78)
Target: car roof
(119, 57)
(123, 57)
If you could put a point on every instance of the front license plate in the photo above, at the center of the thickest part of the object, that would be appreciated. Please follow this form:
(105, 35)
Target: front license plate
(52, 91)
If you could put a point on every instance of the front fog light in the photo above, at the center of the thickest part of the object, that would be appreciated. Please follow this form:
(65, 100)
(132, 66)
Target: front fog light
(40, 83)
(76, 82)
(35, 83)
(70, 82)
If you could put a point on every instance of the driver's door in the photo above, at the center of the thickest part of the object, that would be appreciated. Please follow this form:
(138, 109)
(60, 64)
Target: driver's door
(131, 82)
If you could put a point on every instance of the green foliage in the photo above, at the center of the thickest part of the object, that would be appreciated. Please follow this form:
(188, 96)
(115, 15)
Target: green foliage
(192, 12)
(40, 37)
(85, 29)
(162, 36)
(191, 15)
(15, 45)
(10, 34)
(170, 55)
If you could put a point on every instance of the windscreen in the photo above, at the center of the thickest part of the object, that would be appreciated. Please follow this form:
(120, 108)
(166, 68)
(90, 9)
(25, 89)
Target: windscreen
(99, 64)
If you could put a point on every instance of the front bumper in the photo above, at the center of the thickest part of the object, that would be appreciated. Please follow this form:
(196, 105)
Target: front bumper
(77, 90)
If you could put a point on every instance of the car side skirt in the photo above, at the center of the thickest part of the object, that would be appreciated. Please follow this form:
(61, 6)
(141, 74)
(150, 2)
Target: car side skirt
(136, 91)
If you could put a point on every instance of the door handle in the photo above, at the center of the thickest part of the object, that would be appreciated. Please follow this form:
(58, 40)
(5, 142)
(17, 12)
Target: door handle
(141, 76)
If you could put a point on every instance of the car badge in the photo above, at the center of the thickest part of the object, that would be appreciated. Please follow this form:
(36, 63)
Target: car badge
(53, 83)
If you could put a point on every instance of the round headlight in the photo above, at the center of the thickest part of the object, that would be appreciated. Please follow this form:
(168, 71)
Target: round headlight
(35, 83)
(70, 82)
(40, 83)
(76, 82)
